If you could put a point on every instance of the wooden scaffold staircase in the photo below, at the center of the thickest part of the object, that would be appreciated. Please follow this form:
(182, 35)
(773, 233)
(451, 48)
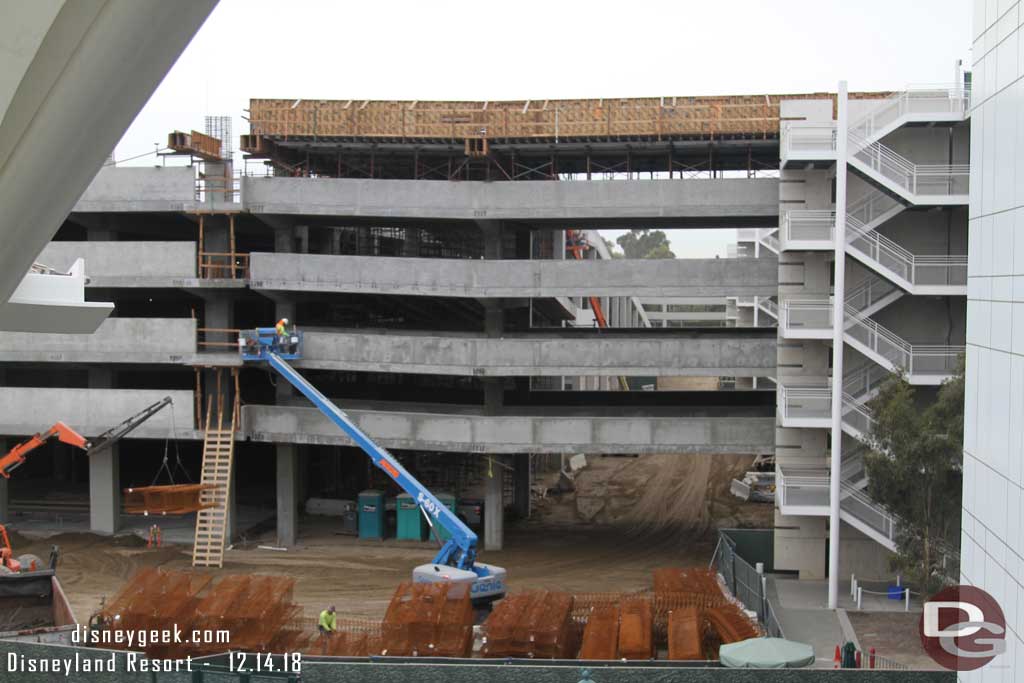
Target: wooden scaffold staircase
(212, 522)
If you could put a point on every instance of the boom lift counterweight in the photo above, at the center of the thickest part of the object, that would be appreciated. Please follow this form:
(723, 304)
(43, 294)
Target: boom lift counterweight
(457, 559)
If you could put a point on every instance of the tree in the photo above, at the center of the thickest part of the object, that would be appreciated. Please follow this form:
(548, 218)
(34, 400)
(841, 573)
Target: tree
(915, 471)
(611, 248)
(645, 244)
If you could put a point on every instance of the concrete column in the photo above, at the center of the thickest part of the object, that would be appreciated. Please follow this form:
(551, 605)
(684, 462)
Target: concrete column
(494, 235)
(302, 239)
(523, 478)
(284, 240)
(838, 347)
(105, 491)
(104, 472)
(494, 507)
(411, 245)
(494, 325)
(287, 494)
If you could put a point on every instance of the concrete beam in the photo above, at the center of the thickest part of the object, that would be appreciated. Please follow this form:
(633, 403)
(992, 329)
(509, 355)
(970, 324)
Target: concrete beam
(726, 202)
(63, 107)
(127, 264)
(710, 353)
(27, 410)
(475, 433)
(514, 278)
(117, 340)
(138, 190)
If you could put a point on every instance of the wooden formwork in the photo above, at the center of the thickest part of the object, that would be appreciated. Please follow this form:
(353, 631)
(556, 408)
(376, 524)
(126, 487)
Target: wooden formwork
(747, 116)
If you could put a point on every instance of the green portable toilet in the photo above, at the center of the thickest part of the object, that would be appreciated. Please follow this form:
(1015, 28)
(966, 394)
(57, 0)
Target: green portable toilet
(448, 500)
(411, 524)
(371, 514)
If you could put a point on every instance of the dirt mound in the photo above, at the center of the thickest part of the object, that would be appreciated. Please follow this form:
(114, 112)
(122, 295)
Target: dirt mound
(654, 493)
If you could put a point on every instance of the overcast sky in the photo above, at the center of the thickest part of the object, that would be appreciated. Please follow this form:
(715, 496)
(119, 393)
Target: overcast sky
(526, 49)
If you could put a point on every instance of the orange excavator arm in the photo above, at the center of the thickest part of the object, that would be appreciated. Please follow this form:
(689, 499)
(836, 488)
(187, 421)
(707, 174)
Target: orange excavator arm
(16, 456)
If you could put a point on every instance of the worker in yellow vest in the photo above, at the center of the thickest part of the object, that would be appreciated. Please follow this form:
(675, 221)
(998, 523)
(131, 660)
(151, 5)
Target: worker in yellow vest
(327, 624)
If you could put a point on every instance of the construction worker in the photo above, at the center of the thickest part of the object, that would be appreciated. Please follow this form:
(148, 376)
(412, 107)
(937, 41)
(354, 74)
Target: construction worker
(281, 330)
(327, 624)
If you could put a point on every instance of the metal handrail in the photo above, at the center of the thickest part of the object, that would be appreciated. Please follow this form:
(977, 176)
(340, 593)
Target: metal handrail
(886, 522)
(872, 289)
(902, 171)
(948, 99)
(770, 306)
(807, 136)
(866, 378)
(813, 306)
(820, 223)
(870, 206)
(897, 350)
(904, 263)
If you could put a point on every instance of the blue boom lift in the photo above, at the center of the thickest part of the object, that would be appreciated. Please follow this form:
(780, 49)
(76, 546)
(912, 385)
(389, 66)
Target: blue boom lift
(456, 561)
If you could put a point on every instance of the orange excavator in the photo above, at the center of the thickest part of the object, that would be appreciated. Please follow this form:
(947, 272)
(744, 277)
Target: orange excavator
(13, 459)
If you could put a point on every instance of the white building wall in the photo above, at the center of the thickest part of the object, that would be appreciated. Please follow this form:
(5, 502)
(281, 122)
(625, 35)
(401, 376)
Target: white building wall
(992, 554)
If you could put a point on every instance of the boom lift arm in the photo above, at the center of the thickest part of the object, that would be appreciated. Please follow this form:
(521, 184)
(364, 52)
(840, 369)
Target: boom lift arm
(17, 455)
(118, 432)
(456, 561)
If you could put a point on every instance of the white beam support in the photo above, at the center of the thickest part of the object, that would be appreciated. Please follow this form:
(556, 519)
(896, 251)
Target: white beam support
(839, 300)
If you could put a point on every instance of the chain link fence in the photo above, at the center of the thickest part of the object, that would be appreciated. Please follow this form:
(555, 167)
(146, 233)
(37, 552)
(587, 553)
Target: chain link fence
(746, 584)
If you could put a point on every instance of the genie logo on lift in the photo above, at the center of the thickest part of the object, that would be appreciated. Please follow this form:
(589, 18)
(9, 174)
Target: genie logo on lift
(430, 506)
(493, 586)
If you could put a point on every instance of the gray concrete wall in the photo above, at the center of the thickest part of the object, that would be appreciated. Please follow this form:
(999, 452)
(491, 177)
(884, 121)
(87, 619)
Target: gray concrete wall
(929, 233)
(538, 355)
(476, 433)
(125, 264)
(514, 278)
(926, 320)
(693, 203)
(133, 189)
(118, 340)
(26, 410)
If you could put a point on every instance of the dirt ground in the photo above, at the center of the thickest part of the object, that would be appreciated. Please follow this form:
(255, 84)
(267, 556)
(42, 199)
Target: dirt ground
(655, 492)
(894, 635)
(360, 576)
(627, 517)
